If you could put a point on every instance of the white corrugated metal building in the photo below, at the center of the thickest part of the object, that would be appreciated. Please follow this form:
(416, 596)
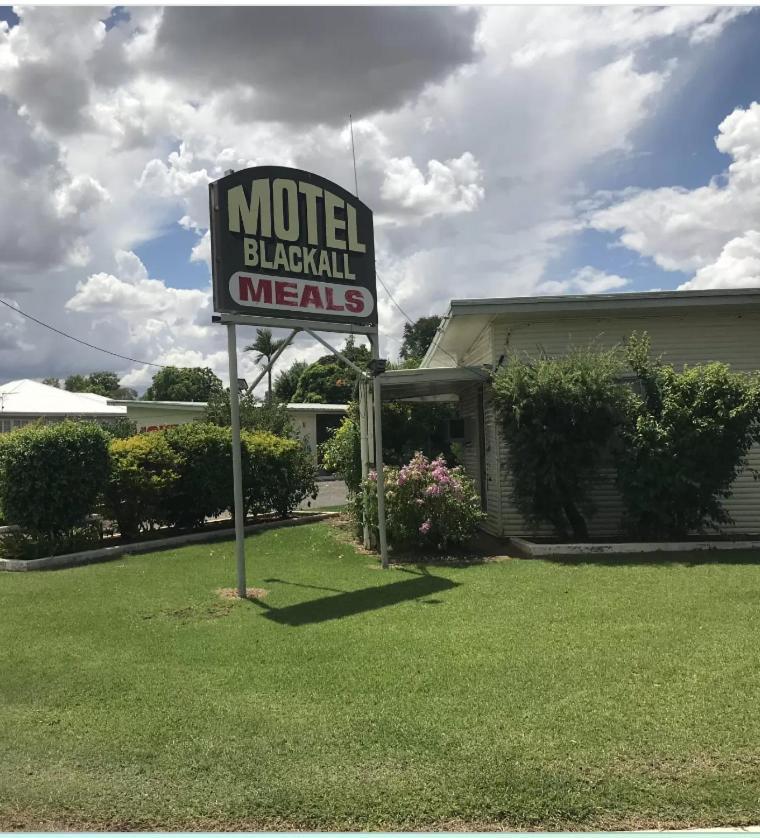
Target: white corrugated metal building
(24, 401)
(685, 327)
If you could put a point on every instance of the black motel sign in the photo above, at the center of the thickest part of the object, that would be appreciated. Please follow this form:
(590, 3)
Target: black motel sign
(290, 244)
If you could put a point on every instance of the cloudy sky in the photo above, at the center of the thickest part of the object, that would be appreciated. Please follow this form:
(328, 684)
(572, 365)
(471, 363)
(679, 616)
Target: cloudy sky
(505, 152)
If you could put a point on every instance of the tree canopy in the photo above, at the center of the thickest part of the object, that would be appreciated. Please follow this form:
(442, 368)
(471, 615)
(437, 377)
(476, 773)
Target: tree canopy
(286, 383)
(103, 383)
(329, 380)
(183, 384)
(417, 337)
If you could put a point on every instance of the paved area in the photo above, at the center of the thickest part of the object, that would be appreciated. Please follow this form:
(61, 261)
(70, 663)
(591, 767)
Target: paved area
(331, 493)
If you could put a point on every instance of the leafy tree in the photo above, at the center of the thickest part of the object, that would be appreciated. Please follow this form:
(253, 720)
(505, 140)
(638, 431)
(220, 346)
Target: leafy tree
(104, 383)
(183, 384)
(286, 383)
(685, 444)
(266, 346)
(52, 382)
(255, 415)
(417, 338)
(76, 384)
(325, 384)
(559, 416)
(329, 380)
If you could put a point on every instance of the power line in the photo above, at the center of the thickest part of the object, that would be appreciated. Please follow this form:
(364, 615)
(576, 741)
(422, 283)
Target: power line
(407, 317)
(79, 340)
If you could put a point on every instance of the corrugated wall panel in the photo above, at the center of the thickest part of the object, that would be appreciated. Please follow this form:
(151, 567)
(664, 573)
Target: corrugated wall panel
(494, 466)
(696, 338)
(469, 410)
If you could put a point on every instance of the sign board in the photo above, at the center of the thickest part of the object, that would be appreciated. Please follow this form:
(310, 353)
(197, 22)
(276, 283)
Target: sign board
(289, 244)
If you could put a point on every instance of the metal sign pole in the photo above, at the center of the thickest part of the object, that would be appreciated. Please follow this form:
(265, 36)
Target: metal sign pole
(237, 464)
(378, 420)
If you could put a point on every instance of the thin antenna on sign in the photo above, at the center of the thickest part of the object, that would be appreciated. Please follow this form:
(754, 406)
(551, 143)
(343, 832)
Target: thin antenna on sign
(353, 154)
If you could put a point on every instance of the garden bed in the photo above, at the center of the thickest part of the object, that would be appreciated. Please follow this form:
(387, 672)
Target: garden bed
(157, 540)
(539, 548)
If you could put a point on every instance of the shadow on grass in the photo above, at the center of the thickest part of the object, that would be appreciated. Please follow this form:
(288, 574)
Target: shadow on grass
(349, 603)
(304, 585)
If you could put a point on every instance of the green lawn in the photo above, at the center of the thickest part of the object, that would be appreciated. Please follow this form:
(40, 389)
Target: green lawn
(518, 693)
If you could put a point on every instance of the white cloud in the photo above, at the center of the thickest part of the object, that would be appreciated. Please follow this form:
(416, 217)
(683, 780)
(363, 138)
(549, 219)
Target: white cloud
(548, 35)
(587, 280)
(738, 266)
(451, 187)
(470, 124)
(686, 229)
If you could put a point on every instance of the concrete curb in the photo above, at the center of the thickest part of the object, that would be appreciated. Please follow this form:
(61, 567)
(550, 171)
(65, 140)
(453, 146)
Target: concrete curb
(106, 554)
(532, 548)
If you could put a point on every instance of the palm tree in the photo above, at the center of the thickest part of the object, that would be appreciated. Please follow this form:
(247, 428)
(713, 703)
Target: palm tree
(266, 347)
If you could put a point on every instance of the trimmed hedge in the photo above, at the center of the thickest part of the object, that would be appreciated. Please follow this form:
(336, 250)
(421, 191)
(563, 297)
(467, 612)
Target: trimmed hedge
(183, 475)
(52, 476)
(203, 488)
(277, 473)
(143, 470)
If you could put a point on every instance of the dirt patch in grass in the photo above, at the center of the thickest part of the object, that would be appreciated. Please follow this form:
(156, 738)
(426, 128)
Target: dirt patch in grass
(250, 593)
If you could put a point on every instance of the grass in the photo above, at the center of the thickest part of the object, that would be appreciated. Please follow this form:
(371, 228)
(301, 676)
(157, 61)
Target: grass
(514, 694)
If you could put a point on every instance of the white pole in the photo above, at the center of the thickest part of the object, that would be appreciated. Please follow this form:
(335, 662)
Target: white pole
(378, 411)
(237, 465)
(364, 447)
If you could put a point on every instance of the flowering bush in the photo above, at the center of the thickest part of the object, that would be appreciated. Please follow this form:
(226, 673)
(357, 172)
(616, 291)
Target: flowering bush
(426, 503)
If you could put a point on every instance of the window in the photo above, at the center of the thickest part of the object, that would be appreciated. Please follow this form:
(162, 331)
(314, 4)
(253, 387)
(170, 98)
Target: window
(456, 428)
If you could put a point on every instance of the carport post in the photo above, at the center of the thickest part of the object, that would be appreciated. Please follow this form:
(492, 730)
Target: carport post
(364, 448)
(237, 464)
(378, 417)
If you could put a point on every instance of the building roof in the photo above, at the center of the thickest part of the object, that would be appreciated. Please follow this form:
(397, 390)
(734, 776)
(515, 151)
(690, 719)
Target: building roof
(147, 404)
(316, 407)
(467, 319)
(25, 397)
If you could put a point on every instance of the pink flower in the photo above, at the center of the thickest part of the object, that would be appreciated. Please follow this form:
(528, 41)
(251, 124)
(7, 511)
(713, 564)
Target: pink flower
(372, 474)
(426, 526)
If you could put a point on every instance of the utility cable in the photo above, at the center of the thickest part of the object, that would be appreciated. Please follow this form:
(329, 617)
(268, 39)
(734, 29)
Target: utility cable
(79, 340)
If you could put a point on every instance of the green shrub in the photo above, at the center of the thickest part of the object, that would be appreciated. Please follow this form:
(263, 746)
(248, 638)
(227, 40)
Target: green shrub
(685, 444)
(407, 428)
(23, 546)
(203, 485)
(559, 416)
(341, 454)
(277, 473)
(119, 428)
(144, 469)
(427, 504)
(52, 476)
(255, 415)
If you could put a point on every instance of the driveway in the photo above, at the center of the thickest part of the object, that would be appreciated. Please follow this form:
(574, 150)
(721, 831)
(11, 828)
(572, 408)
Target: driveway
(331, 493)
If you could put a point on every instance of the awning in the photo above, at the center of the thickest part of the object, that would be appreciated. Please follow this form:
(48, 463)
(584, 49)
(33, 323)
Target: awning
(430, 383)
